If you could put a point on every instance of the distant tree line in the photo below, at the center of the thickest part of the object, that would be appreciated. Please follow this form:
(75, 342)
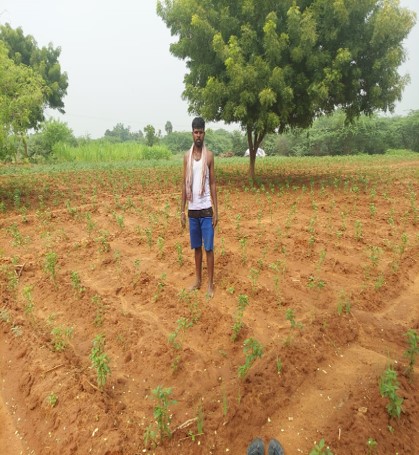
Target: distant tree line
(329, 135)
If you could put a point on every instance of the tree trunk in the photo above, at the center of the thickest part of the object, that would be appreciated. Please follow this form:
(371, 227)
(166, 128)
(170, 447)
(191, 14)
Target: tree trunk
(252, 173)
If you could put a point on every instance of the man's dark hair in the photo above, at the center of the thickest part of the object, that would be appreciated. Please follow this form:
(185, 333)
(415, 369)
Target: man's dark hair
(198, 123)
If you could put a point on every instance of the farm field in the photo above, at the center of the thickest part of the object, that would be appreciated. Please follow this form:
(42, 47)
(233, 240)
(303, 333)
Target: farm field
(317, 286)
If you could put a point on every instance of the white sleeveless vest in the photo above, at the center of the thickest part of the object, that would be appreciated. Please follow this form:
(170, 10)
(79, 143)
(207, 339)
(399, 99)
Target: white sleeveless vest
(199, 201)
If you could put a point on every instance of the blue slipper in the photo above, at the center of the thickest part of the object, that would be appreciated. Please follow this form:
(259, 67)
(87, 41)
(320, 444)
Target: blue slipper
(275, 448)
(256, 447)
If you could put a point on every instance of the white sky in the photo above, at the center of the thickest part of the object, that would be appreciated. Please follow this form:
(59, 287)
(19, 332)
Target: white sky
(120, 69)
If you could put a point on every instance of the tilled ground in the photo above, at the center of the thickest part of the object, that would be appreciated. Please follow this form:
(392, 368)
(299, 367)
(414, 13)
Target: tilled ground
(322, 259)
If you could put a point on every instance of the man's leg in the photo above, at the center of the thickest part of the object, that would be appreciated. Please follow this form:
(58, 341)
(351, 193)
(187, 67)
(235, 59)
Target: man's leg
(210, 267)
(196, 244)
(198, 269)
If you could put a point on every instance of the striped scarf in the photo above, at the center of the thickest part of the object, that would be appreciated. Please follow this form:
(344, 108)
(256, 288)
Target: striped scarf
(189, 171)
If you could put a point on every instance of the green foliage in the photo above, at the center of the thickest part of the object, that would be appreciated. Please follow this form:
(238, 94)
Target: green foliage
(161, 410)
(122, 133)
(150, 135)
(51, 132)
(100, 361)
(52, 399)
(104, 151)
(50, 264)
(389, 385)
(22, 96)
(252, 350)
(272, 65)
(61, 337)
(243, 302)
(321, 449)
(413, 350)
(24, 50)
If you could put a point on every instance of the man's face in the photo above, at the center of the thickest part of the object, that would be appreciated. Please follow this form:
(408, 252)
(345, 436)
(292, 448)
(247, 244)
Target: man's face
(198, 135)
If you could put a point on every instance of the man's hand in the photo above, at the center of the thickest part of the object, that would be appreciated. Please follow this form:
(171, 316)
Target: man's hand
(214, 220)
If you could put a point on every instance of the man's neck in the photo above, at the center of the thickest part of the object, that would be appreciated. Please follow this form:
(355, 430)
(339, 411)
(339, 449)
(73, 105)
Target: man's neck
(197, 152)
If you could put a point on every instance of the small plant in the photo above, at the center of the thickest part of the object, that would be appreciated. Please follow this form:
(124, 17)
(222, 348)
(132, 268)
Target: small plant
(100, 361)
(29, 306)
(238, 319)
(76, 282)
(103, 241)
(150, 436)
(50, 265)
(371, 445)
(243, 248)
(358, 230)
(254, 275)
(290, 316)
(252, 350)
(388, 389)
(412, 351)
(200, 420)
(160, 286)
(160, 246)
(52, 399)
(179, 253)
(344, 304)
(5, 315)
(161, 411)
(182, 325)
(314, 282)
(279, 366)
(60, 337)
(321, 449)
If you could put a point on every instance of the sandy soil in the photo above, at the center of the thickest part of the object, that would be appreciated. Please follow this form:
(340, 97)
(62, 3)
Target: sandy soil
(326, 255)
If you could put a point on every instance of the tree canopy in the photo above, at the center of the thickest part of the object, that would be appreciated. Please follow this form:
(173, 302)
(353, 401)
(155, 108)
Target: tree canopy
(24, 50)
(271, 65)
(21, 100)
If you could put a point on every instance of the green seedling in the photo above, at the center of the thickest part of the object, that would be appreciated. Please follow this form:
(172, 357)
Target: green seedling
(371, 445)
(252, 350)
(389, 385)
(29, 305)
(358, 230)
(103, 241)
(100, 361)
(279, 366)
(179, 253)
(161, 411)
(52, 399)
(290, 316)
(160, 246)
(149, 236)
(344, 304)
(412, 351)
(61, 337)
(243, 302)
(321, 449)
(76, 282)
(50, 265)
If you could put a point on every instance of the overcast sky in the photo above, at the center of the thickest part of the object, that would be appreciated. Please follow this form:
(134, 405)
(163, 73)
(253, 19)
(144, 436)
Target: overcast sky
(116, 55)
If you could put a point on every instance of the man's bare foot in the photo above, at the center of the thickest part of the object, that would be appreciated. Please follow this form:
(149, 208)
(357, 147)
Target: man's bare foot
(195, 286)
(210, 292)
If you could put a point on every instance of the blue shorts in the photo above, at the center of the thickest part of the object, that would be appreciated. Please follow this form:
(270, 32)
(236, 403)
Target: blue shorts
(201, 229)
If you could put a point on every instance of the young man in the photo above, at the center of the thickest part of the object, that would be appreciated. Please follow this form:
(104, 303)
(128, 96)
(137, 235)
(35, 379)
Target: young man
(199, 191)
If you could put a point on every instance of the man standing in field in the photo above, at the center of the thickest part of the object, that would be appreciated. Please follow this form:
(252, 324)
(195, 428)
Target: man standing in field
(199, 190)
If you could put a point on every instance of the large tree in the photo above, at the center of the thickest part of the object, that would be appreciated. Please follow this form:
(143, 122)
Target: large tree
(21, 100)
(273, 64)
(24, 50)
